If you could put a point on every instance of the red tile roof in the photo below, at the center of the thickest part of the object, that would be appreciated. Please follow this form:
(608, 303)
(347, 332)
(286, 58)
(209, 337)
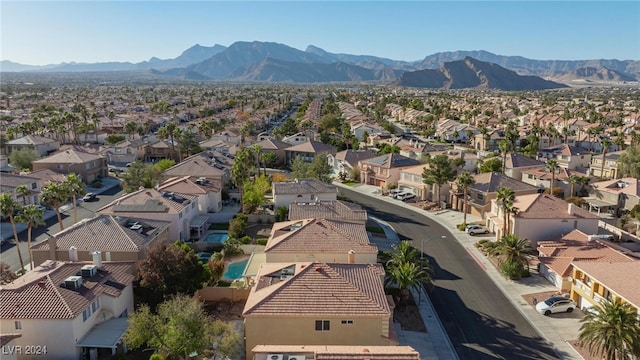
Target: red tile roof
(619, 277)
(38, 294)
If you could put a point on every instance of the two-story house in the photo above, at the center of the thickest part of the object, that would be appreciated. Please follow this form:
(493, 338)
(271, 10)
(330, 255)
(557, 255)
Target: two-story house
(517, 163)
(69, 309)
(209, 193)
(314, 303)
(89, 165)
(117, 239)
(210, 165)
(43, 146)
(307, 151)
(10, 182)
(159, 150)
(331, 352)
(596, 282)
(302, 190)
(610, 169)
(124, 152)
(347, 160)
(331, 209)
(384, 169)
(276, 147)
(568, 156)
(150, 204)
(614, 196)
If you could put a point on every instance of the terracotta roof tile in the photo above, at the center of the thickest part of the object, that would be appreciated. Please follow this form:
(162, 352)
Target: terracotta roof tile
(544, 206)
(331, 209)
(303, 186)
(620, 277)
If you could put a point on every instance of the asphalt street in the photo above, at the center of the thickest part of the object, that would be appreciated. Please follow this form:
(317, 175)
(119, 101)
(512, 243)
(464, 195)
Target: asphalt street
(9, 252)
(479, 319)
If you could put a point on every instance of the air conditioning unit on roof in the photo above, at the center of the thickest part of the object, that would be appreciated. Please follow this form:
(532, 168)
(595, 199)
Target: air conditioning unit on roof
(296, 357)
(275, 357)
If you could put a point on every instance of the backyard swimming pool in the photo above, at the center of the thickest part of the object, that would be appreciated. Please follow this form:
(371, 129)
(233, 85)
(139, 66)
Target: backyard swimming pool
(235, 269)
(216, 238)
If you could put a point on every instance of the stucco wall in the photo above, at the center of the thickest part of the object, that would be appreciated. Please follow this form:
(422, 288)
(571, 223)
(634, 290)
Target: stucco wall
(286, 199)
(546, 229)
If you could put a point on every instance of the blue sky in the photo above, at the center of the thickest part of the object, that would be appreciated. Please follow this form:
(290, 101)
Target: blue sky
(93, 31)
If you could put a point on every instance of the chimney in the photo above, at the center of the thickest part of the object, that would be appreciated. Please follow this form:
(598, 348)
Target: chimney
(97, 258)
(570, 210)
(351, 257)
(53, 248)
(73, 254)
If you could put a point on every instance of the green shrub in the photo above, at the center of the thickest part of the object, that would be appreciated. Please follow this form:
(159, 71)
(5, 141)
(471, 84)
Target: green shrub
(461, 227)
(262, 241)
(282, 213)
(246, 240)
(156, 357)
(514, 270)
(224, 226)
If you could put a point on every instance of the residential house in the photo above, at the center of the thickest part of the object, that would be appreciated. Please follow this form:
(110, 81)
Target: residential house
(541, 178)
(302, 190)
(411, 180)
(307, 151)
(117, 239)
(150, 204)
(126, 151)
(385, 169)
(541, 217)
(516, 163)
(318, 304)
(610, 170)
(331, 210)
(47, 176)
(324, 240)
(275, 147)
(90, 166)
(228, 136)
(358, 129)
(596, 282)
(159, 150)
(490, 142)
(220, 146)
(570, 157)
(43, 146)
(10, 182)
(332, 352)
(556, 256)
(296, 139)
(85, 304)
(484, 190)
(347, 160)
(210, 165)
(209, 193)
(614, 196)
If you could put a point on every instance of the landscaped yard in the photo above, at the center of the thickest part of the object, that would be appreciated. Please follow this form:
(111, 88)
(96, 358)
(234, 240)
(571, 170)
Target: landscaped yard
(351, 183)
(224, 226)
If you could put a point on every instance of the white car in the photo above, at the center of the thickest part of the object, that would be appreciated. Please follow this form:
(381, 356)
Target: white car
(555, 304)
(476, 229)
(405, 196)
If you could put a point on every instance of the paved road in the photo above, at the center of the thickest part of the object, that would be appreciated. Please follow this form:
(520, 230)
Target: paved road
(479, 319)
(9, 253)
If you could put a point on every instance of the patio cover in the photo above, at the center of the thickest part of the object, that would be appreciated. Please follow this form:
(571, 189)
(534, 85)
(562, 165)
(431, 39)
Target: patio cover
(105, 335)
(198, 221)
(598, 203)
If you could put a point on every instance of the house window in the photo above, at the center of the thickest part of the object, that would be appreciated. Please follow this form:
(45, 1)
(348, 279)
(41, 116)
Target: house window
(86, 314)
(480, 197)
(18, 325)
(322, 325)
(95, 305)
(34, 186)
(529, 176)
(347, 322)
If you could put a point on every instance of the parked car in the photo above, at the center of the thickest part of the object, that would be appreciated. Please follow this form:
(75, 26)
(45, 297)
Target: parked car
(394, 193)
(405, 196)
(555, 304)
(476, 229)
(90, 197)
(42, 208)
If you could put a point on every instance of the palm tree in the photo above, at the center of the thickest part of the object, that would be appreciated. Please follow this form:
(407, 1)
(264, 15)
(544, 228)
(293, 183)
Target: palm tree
(505, 197)
(408, 276)
(605, 143)
(611, 330)
(130, 129)
(32, 216)
(55, 195)
(504, 146)
(512, 249)
(464, 181)
(552, 165)
(573, 180)
(74, 187)
(401, 253)
(8, 205)
(23, 191)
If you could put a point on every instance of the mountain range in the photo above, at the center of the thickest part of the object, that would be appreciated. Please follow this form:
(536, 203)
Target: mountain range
(268, 61)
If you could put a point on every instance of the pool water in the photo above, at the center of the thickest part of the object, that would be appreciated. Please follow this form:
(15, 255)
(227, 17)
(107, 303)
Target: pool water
(235, 269)
(216, 238)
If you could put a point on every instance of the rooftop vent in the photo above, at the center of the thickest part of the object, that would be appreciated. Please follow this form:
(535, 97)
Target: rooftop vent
(275, 357)
(88, 271)
(73, 282)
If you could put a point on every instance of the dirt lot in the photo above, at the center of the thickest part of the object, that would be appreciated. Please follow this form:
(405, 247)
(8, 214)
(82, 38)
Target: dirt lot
(224, 310)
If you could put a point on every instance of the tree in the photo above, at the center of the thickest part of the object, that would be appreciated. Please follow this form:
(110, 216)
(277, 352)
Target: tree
(164, 164)
(320, 169)
(23, 191)
(505, 197)
(385, 148)
(611, 331)
(114, 138)
(55, 195)
(552, 166)
(573, 180)
(408, 276)
(512, 255)
(170, 270)
(439, 172)
(493, 164)
(242, 169)
(8, 205)
(464, 181)
(605, 145)
(629, 162)
(299, 168)
(6, 275)
(238, 226)
(32, 216)
(181, 327)
(505, 147)
(74, 187)
(140, 175)
(402, 253)
(130, 128)
(216, 266)
(23, 159)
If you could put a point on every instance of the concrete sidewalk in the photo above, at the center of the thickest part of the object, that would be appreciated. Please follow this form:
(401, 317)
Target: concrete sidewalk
(557, 331)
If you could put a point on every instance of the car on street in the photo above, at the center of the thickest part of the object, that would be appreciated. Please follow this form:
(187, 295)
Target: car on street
(555, 304)
(89, 197)
(476, 229)
(405, 196)
(394, 193)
